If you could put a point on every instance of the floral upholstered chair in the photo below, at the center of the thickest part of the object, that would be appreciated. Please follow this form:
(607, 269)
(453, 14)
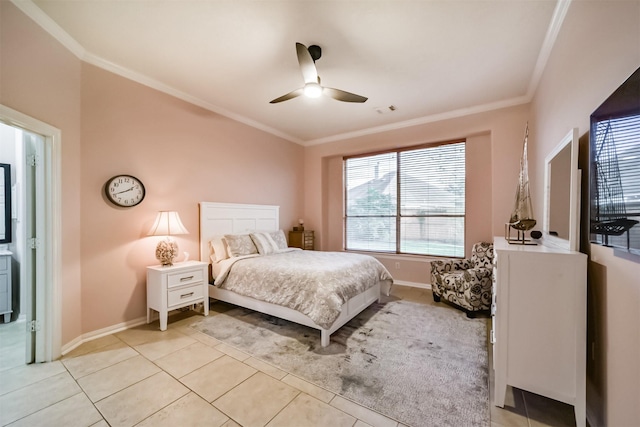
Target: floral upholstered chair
(465, 282)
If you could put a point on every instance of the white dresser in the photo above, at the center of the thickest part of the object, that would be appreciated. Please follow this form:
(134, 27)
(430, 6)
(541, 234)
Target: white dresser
(539, 323)
(5, 285)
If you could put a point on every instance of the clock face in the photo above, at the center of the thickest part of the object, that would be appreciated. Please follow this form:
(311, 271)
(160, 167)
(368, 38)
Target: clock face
(124, 190)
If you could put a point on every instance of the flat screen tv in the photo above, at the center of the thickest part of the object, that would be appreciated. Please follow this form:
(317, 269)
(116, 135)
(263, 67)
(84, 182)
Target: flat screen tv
(614, 172)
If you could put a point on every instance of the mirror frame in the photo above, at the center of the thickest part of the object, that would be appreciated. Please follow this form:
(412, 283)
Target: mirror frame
(6, 172)
(573, 242)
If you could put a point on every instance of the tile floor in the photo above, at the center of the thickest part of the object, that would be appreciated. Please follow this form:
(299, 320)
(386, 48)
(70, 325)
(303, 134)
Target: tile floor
(145, 377)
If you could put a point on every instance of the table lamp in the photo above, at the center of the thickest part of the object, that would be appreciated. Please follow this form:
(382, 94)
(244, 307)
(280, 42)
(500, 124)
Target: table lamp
(167, 224)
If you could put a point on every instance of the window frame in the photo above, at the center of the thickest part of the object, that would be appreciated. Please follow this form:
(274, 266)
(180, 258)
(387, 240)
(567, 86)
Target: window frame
(398, 216)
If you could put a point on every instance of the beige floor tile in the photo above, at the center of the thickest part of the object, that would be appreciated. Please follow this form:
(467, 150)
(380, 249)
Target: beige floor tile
(141, 334)
(190, 410)
(308, 411)
(102, 423)
(257, 400)
(205, 339)
(361, 423)
(184, 329)
(218, 377)
(74, 411)
(266, 368)
(101, 358)
(169, 342)
(92, 345)
(231, 423)
(24, 375)
(311, 389)
(117, 377)
(365, 414)
(514, 413)
(133, 404)
(230, 351)
(37, 396)
(186, 360)
(13, 342)
(543, 411)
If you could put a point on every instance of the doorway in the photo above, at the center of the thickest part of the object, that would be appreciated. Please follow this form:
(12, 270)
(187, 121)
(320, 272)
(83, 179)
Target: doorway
(36, 238)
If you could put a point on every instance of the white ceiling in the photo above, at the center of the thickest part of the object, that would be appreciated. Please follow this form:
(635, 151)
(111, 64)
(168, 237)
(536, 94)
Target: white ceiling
(430, 59)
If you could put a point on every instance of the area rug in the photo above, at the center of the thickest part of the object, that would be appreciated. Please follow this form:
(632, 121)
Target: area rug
(419, 364)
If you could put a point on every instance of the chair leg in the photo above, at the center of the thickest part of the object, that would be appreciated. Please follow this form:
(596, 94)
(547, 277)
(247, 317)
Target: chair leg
(471, 314)
(436, 298)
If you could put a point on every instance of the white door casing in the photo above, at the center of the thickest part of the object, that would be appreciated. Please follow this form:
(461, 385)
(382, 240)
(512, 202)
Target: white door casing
(47, 207)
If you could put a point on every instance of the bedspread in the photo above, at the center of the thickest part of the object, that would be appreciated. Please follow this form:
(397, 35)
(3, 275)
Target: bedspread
(314, 283)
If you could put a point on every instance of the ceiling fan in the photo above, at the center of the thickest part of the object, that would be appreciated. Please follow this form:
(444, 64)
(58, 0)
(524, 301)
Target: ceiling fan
(307, 58)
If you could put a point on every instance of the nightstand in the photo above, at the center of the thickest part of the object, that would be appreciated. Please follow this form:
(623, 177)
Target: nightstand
(176, 286)
(301, 239)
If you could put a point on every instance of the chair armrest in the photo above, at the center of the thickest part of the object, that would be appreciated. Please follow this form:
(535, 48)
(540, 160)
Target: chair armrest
(449, 265)
(481, 272)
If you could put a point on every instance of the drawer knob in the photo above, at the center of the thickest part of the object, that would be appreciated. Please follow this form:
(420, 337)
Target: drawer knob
(182, 279)
(186, 295)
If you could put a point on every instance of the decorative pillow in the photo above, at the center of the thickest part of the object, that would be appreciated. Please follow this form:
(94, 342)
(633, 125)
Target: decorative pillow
(264, 242)
(279, 239)
(219, 247)
(240, 244)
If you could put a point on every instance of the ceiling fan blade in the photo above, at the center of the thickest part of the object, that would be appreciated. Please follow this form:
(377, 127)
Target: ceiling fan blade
(288, 96)
(344, 96)
(307, 66)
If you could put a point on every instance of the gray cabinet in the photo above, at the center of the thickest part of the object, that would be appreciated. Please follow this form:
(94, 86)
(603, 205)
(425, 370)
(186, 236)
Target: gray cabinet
(5, 285)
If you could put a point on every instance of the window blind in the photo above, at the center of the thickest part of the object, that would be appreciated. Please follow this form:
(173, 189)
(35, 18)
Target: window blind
(407, 201)
(621, 136)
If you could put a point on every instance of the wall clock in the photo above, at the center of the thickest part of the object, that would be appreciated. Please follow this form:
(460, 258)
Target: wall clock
(124, 190)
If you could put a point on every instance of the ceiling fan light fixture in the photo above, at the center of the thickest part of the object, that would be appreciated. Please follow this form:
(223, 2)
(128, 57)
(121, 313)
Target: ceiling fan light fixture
(312, 90)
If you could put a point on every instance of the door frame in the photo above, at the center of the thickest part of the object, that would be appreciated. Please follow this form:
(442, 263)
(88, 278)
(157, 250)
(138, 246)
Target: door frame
(51, 241)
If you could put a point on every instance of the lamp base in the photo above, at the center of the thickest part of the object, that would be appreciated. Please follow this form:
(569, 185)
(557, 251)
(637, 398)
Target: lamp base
(166, 251)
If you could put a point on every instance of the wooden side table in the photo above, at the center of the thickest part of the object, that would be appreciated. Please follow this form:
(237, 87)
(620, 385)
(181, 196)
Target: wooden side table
(176, 286)
(301, 239)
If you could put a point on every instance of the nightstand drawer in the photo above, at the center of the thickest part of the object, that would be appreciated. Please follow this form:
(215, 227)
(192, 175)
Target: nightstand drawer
(185, 278)
(183, 295)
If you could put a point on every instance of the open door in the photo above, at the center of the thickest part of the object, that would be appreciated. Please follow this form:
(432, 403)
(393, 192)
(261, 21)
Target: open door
(35, 220)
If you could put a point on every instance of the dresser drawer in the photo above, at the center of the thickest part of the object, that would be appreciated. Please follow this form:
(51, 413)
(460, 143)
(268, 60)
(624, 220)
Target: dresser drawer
(184, 295)
(185, 278)
(4, 263)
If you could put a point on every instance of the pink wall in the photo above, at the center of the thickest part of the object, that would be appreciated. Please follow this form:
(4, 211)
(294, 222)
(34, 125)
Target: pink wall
(494, 144)
(40, 78)
(183, 155)
(597, 49)
(110, 125)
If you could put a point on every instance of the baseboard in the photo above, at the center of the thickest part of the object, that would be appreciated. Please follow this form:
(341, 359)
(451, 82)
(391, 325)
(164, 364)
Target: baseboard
(90, 336)
(412, 284)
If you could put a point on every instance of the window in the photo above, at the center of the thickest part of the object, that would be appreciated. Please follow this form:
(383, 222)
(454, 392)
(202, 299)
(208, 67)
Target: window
(409, 201)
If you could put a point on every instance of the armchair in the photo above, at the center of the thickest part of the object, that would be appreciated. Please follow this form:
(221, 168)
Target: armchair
(465, 282)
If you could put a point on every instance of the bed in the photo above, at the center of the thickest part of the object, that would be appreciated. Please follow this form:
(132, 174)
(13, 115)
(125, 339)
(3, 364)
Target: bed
(357, 280)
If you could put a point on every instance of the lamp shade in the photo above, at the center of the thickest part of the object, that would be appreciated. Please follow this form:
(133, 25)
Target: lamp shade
(167, 224)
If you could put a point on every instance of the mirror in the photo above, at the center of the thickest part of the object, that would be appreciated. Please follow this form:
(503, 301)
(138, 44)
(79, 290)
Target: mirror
(5, 203)
(562, 194)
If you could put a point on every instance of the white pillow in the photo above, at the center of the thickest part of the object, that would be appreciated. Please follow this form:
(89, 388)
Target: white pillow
(264, 243)
(219, 247)
(240, 244)
(279, 238)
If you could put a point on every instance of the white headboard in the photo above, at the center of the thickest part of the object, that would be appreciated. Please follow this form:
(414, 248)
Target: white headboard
(217, 219)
